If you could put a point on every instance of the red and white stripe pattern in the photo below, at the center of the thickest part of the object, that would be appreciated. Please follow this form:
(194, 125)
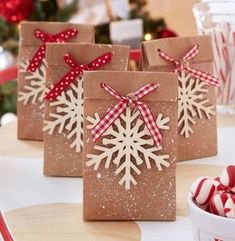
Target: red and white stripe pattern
(227, 178)
(47, 38)
(202, 190)
(229, 207)
(183, 65)
(220, 188)
(217, 203)
(4, 230)
(75, 71)
(125, 101)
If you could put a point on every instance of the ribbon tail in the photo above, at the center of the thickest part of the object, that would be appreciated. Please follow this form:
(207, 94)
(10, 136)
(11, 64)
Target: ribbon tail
(112, 114)
(110, 91)
(148, 118)
(207, 78)
(165, 56)
(69, 60)
(62, 85)
(41, 35)
(37, 59)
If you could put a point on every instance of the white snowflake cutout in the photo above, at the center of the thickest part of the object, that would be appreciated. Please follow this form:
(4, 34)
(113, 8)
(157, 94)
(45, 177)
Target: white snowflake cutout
(129, 144)
(35, 89)
(68, 115)
(192, 103)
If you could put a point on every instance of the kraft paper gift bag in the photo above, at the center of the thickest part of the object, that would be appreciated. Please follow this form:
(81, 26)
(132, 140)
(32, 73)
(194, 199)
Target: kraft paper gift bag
(192, 59)
(32, 67)
(63, 125)
(131, 145)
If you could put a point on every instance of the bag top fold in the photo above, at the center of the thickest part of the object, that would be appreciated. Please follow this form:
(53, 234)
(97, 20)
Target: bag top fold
(126, 82)
(85, 53)
(176, 48)
(27, 28)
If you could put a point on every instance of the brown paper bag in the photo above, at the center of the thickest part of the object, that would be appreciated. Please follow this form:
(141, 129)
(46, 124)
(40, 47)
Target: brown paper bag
(31, 84)
(197, 135)
(126, 176)
(63, 142)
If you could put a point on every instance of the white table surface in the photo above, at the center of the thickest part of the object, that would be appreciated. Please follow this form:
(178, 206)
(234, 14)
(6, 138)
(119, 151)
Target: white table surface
(22, 184)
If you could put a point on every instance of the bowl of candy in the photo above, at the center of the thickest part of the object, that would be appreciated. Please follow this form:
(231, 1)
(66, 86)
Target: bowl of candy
(211, 205)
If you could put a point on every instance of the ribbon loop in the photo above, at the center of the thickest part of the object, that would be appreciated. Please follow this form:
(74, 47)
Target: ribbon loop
(111, 91)
(41, 35)
(183, 65)
(76, 70)
(191, 53)
(36, 61)
(124, 101)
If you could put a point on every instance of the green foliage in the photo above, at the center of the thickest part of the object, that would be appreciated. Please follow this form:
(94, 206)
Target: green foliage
(65, 14)
(8, 96)
(44, 10)
(49, 11)
(9, 36)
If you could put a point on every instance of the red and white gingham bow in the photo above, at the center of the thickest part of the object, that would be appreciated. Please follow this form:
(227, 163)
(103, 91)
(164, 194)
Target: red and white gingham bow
(47, 38)
(75, 71)
(183, 64)
(125, 101)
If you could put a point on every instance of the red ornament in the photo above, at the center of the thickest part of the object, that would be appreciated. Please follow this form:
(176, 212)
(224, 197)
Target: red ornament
(15, 11)
(167, 33)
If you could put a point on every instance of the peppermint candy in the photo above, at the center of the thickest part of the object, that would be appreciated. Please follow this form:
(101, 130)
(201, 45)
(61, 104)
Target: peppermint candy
(203, 189)
(217, 203)
(220, 188)
(227, 178)
(229, 207)
(216, 196)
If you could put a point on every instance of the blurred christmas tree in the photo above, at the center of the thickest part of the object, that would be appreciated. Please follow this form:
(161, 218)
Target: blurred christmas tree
(14, 11)
(11, 13)
(153, 27)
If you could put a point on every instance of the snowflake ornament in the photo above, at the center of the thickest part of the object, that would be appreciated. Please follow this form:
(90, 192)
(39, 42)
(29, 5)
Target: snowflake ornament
(34, 91)
(192, 103)
(68, 115)
(128, 144)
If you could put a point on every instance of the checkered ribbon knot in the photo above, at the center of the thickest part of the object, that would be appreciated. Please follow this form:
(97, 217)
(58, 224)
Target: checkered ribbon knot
(132, 99)
(75, 71)
(183, 65)
(40, 54)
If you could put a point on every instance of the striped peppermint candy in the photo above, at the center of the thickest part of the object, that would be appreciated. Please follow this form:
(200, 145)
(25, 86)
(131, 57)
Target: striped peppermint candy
(217, 203)
(203, 190)
(229, 207)
(220, 188)
(227, 177)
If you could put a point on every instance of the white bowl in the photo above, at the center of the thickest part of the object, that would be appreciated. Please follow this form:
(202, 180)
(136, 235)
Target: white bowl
(210, 227)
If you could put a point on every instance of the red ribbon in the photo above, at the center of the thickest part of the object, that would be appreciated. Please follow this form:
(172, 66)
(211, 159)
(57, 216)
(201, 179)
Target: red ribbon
(125, 101)
(183, 64)
(47, 38)
(75, 71)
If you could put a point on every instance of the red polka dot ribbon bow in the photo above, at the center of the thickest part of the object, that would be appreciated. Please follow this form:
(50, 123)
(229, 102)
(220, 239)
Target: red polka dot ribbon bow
(183, 65)
(132, 99)
(75, 71)
(47, 38)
